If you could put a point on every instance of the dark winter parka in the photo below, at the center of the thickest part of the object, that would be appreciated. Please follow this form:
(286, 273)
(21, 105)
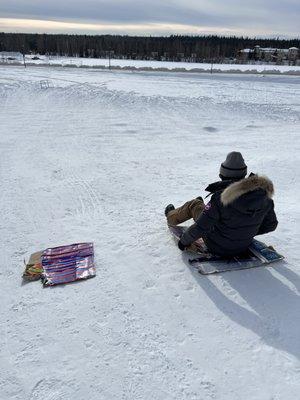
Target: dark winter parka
(234, 216)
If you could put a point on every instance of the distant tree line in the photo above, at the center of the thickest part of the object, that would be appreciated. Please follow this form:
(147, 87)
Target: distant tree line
(174, 48)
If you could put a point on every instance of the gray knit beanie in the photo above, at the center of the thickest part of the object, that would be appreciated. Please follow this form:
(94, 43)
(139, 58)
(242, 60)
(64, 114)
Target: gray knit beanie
(234, 166)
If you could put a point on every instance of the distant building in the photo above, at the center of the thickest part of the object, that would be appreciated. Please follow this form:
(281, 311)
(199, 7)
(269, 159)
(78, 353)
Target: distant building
(294, 53)
(269, 54)
(10, 56)
(180, 57)
(165, 56)
(154, 55)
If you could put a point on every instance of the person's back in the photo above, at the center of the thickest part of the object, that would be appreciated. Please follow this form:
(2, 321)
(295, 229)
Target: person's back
(243, 210)
(240, 208)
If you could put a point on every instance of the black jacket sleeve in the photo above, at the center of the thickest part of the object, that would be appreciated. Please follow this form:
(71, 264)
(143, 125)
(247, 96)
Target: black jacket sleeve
(269, 223)
(204, 223)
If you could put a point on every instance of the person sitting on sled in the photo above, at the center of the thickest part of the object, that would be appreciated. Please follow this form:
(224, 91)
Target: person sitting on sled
(240, 208)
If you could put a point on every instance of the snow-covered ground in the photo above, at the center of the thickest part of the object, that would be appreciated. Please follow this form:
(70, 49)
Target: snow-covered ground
(146, 65)
(96, 156)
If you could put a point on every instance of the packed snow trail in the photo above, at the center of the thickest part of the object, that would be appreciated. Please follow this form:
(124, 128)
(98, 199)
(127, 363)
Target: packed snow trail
(96, 158)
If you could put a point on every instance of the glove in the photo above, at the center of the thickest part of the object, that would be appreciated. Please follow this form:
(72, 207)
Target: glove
(181, 246)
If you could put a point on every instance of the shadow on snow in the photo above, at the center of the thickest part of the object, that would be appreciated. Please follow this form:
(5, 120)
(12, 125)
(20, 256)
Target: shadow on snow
(275, 315)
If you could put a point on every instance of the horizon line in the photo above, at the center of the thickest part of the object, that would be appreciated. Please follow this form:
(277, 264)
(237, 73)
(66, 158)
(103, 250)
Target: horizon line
(52, 27)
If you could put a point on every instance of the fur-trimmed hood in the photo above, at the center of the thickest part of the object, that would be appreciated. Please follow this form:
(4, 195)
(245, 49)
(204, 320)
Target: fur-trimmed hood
(251, 184)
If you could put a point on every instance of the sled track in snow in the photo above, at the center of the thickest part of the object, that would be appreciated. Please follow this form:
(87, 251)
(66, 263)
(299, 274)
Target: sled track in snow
(97, 93)
(102, 97)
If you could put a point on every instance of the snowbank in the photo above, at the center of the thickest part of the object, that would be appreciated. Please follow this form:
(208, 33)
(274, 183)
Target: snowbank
(141, 65)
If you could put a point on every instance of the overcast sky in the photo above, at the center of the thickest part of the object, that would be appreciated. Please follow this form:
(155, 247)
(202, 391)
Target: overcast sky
(155, 17)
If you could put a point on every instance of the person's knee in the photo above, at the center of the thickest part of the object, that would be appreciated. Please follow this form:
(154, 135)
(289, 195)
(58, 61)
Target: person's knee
(196, 203)
(197, 207)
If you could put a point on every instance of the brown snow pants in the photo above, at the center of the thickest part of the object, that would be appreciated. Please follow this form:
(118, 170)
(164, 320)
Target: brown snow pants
(191, 209)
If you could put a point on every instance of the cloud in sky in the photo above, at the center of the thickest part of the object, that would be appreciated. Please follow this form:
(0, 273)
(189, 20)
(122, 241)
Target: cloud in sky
(257, 17)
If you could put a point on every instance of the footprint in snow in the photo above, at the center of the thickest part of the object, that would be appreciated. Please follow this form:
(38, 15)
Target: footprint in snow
(210, 129)
(148, 284)
(120, 124)
(53, 389)
(252, 126)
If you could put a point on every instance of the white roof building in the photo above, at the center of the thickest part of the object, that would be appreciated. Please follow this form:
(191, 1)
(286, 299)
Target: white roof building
(11, 54)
